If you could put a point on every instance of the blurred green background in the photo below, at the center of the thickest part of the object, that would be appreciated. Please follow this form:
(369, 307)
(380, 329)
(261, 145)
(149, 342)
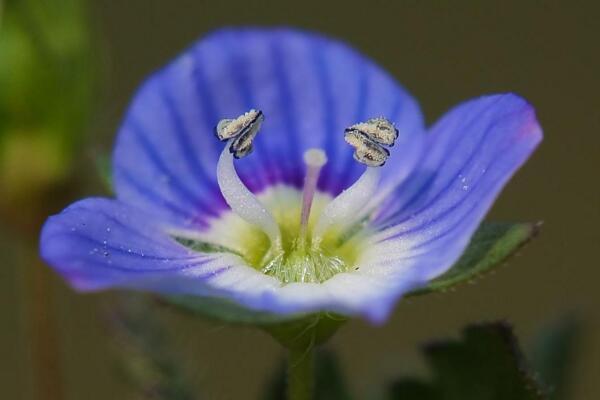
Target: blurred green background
(442, 52)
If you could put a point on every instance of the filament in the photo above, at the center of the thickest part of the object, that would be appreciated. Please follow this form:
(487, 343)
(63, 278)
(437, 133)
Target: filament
(242, 201)
(342, 210)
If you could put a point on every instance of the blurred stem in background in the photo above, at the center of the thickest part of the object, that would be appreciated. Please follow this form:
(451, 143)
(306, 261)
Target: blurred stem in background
(47, 81)
(142, 345)
(47, 69)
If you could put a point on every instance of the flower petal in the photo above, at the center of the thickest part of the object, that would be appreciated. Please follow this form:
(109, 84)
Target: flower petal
(101, 243)
(309, 87)
(470, 155)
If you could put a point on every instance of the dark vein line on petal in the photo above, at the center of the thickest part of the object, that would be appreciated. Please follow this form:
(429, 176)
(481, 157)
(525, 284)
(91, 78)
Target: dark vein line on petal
(193, 200)
(182, 135)
(155, 198)
(443, 160)
(286, 99)
(468, 195)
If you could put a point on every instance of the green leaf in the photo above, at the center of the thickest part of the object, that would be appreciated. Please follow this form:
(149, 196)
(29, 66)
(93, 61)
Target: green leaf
(485, 365)
(329, 381)
(491, 245)
(554, 353)
(412, 388)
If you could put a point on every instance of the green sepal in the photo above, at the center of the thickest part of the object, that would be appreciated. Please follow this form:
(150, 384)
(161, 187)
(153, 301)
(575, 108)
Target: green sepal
(491, 245)
(292, 331)
(223, 310)
(486, 364)
(306, 332)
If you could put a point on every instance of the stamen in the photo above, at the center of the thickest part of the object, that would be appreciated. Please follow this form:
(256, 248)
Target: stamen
(241, 200)
(314, 160)
(342, 210)
(368, 139)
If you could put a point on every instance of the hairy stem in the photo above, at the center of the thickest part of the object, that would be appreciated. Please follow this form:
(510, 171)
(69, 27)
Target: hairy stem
(301, 373)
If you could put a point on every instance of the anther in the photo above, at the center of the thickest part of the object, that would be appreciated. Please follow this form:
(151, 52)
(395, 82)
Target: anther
(366, 150)
(369, 138)
(378, 129)
(241, 131)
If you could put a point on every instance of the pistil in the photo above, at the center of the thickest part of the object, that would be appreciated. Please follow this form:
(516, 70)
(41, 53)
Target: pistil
(314, 160)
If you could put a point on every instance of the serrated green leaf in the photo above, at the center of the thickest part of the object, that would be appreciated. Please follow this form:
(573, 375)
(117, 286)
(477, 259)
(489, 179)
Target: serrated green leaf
(492, 244)
(486, 364)
(554, 353)
(329, 380)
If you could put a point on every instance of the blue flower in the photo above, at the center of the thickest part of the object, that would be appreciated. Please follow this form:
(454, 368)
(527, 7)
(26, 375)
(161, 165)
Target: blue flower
(184, 223)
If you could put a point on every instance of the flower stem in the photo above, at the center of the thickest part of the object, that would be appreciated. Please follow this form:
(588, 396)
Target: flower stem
(301, 373)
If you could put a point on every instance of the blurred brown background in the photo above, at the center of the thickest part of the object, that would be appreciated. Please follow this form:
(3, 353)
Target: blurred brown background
(443, 53)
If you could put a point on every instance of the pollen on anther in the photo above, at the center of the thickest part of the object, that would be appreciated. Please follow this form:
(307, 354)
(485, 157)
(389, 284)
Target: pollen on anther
(379, 129)
(241, 131)
(369, 138)
(230, 128)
